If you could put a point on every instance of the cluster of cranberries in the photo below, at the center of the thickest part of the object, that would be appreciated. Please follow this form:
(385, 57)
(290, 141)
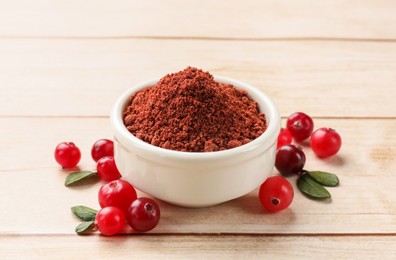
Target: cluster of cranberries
(290, 159)
(117, 198)
(119, 203)
(68, 156)
(276, 193)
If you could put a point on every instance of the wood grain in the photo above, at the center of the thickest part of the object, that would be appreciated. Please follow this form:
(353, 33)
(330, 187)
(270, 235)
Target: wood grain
(199, 247)
(205, 18)
(64, 63)
(84, 78)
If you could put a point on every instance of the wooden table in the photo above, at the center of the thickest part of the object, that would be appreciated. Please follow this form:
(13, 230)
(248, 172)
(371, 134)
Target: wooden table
(63, 64)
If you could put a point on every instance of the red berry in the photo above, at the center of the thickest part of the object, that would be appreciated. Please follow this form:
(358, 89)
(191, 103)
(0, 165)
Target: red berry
(67, 154)
(143, 214)
(289, 160)
(284, 137)
(276, 193)
(300, 126)
(118, 193)
(102, 148)
(107, 169)
(325, 142)
(110, 221)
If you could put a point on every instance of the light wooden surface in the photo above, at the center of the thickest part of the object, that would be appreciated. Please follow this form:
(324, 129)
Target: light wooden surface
(63, 64)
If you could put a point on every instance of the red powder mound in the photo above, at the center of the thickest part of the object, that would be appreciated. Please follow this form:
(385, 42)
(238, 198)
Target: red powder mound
(189, 111)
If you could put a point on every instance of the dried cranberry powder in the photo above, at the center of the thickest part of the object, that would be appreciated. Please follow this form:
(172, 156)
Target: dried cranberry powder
(189, 111)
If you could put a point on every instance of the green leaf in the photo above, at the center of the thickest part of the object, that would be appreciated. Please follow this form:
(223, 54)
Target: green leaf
(75, 177)
(85, 227)
(84, 213)
(324, 178)
(310, 187)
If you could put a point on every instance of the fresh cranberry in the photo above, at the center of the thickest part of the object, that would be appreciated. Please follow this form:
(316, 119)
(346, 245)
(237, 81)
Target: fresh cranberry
(289, 160)
(110, 221)
(300, 126)
(276, 193)
(107, 169)
(67, 154)
(102, 148)
(325, 142)
(143, 214)
(118, 193)
(284, 137)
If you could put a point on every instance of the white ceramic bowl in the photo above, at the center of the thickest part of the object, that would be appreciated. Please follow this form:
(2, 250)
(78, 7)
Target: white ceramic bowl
(196, 179)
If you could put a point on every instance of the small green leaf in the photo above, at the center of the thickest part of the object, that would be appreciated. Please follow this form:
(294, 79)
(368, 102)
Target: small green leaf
(85, 227)
(310, 187)
(84, 213)
(324, 178)
(78, 176)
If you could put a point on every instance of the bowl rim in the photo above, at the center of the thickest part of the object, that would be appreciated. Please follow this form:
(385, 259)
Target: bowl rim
(264, 141)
